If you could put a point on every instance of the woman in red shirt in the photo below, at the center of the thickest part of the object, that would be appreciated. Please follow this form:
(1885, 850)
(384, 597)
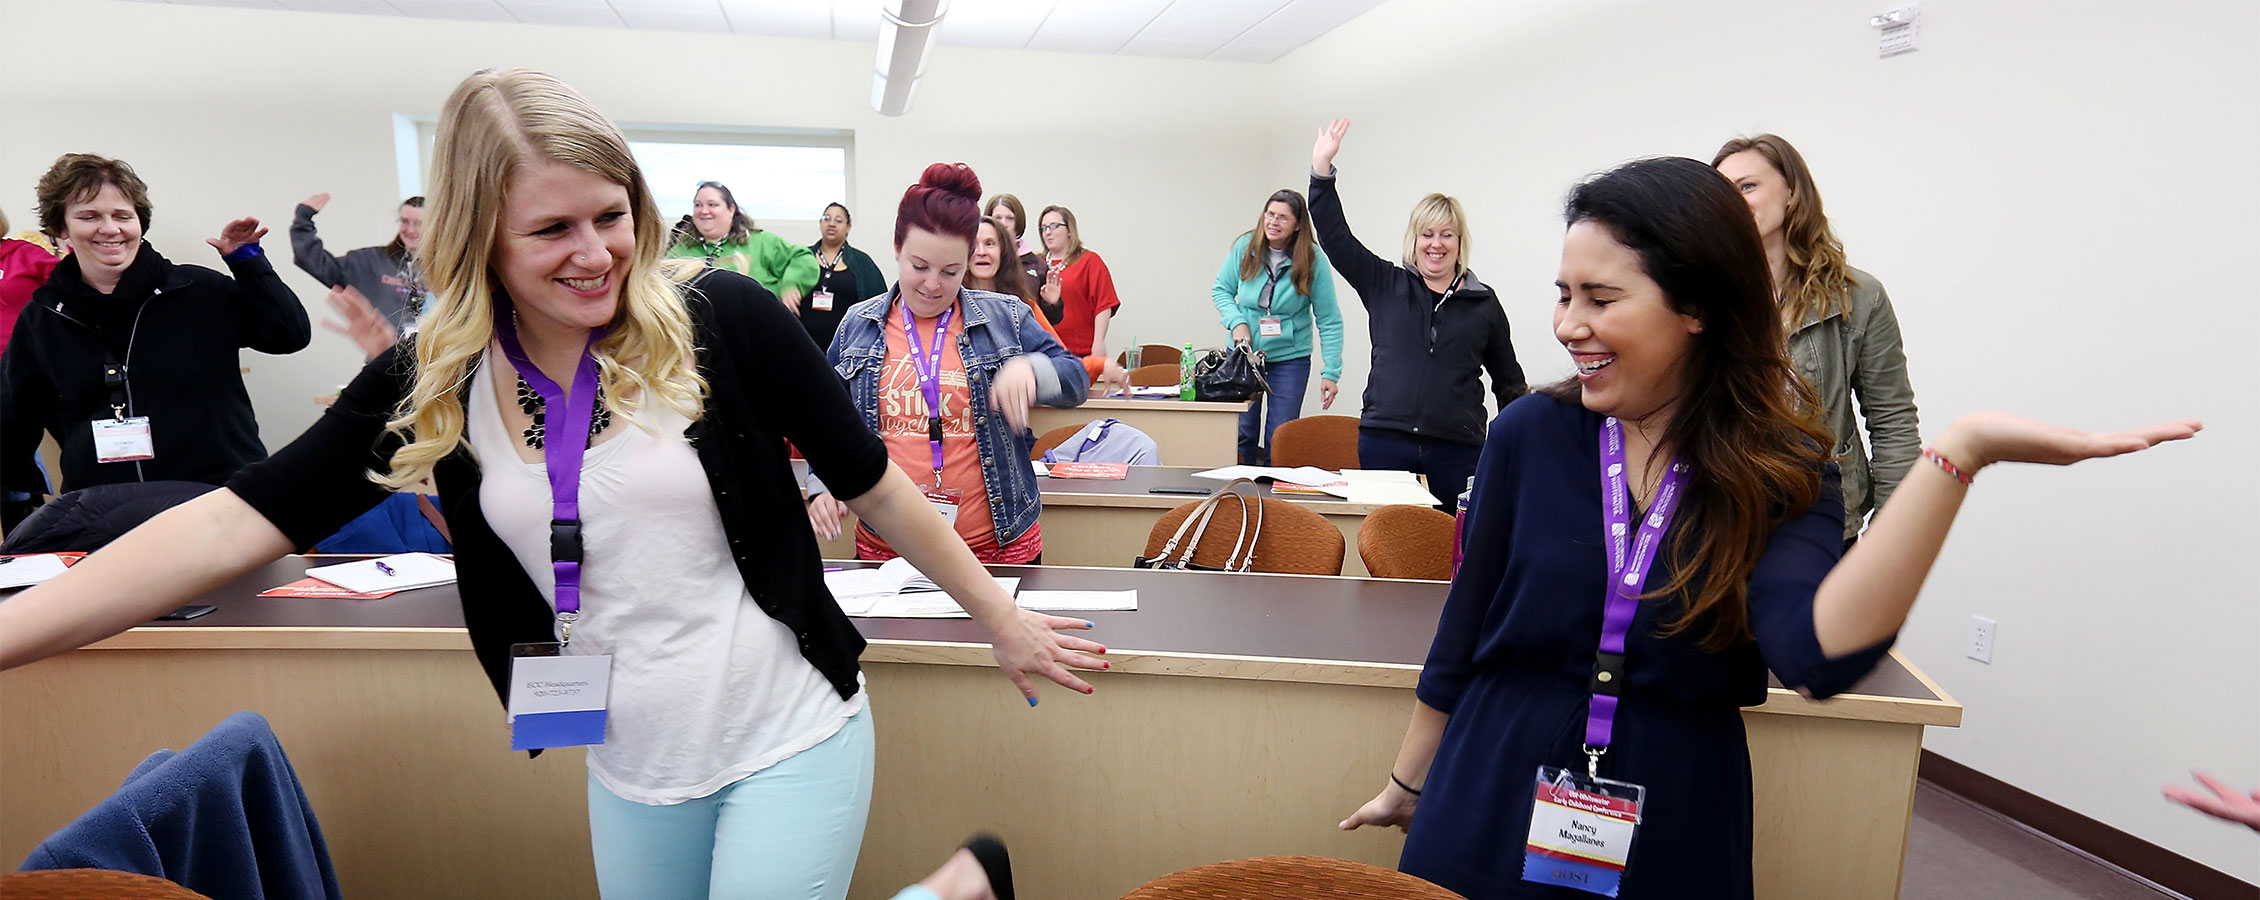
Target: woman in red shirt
(1079, 282)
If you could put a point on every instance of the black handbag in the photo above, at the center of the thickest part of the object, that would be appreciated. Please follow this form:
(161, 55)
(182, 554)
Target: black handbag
(1243, 555)
(1229, 375)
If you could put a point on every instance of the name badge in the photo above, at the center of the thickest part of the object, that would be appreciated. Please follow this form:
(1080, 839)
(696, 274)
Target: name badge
(945, 501)
(123, 440)
(1269, 327)
(1581, 831)
(556, 700)
(821, 301)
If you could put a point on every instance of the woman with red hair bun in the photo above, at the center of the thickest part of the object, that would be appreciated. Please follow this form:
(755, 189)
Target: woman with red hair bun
(946, 375)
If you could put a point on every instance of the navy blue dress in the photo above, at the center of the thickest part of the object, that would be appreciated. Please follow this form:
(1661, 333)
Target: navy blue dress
(1514, 654)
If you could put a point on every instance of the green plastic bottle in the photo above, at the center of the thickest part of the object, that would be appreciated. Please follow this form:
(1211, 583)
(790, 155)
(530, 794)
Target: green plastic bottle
(1185, 375)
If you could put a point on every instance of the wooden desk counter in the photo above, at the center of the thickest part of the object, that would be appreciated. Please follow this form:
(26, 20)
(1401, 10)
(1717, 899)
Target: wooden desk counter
(1105, 523)
(1245, 714)
(1205, 435)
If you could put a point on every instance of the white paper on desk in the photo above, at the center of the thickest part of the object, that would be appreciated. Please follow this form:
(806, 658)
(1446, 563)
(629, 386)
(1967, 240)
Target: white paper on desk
(1157, 390)
(25, 571)
(1041, 469)
(1311, 476)
(409, 571)
(1386, 488)
(1079, 601)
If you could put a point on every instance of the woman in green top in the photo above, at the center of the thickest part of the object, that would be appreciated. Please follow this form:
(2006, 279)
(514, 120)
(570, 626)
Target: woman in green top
(724, 236)
(1274, 290)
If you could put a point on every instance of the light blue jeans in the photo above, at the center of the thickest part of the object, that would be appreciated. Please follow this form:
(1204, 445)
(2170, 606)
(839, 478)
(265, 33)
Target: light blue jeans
(788, 831)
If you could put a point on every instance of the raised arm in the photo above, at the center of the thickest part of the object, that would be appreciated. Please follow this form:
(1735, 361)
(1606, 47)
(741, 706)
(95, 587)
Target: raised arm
(1357, 264)
(269, 317)
(306, 249)
(1865, 598)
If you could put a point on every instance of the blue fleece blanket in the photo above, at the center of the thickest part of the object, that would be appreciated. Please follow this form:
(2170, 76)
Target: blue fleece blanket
(225, 818)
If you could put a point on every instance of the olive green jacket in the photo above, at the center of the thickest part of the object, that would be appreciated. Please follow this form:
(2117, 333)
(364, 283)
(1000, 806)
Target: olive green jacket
(1856, 352)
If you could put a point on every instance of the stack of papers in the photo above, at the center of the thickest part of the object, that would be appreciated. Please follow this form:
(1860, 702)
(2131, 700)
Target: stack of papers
(31, 569)
(1307, 480)
(1385, 488)
(1096, 470)
(315, 588)
(1158, 392)
(406, 571)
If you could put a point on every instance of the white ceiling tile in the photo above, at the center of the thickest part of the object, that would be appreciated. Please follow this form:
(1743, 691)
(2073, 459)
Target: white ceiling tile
(476, 10)
(780, 18)
(1006, 24)
(1301, 22)
(705, 17)
(1149, 46)
(1209, 21)
(587, 13)
(1095, 26)
(235, 4)
(356, 7)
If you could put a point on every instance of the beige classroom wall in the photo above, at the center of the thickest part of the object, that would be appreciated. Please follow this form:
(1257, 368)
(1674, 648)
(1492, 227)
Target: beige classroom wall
(2059, 198)
(232, 112)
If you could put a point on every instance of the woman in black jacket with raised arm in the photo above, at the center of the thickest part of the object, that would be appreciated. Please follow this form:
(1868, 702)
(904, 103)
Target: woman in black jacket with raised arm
(1435, 329)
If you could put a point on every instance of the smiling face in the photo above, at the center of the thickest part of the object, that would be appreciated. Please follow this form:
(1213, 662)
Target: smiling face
(103, 230)
(712, 214)
(1054, 227)
(562, 248)
(1436, 251)
(1762, 186)
(411, 227)
(1631, 347)
(1279, 223)
(989, 252)
(931, 268)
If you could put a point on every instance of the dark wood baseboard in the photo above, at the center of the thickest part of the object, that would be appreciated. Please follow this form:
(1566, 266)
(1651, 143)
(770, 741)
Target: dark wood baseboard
(2161, 866)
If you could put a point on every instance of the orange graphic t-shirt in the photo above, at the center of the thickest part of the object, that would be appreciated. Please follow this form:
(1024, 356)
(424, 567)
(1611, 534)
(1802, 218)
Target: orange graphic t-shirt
(902, 425)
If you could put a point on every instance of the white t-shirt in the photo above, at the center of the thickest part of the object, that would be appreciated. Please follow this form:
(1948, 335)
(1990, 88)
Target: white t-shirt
(706, 688)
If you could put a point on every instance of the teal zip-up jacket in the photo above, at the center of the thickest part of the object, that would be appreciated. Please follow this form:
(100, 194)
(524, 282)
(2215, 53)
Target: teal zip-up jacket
(1237, 303)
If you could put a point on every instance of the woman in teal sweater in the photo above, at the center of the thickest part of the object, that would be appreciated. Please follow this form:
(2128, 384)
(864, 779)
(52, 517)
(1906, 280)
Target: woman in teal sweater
(1270, 293)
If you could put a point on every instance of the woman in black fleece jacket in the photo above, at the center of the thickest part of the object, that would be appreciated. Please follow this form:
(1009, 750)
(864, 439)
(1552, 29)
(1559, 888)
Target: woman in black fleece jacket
(1434, 329)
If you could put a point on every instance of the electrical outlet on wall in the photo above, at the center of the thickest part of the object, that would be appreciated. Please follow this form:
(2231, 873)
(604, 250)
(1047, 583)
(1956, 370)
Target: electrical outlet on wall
(1981, 639)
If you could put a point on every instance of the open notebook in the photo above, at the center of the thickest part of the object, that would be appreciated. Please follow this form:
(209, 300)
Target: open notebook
(897, 590)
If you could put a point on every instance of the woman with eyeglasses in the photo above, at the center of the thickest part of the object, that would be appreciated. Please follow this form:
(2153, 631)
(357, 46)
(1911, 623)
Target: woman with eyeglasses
(724, 236)
(991, 269)
(845, 276)
(387, 276)
(1077, 280)
(1274, 290)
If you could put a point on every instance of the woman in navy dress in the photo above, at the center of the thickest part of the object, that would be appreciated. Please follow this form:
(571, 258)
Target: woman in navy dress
(1667, 310)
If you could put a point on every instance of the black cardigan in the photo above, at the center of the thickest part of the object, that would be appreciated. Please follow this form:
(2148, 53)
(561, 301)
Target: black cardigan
(1428, 349)
(767, 384)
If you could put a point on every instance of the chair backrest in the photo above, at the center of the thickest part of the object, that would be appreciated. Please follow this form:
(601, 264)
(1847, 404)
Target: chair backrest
(1295, 541)
(1155, 374)
(1153, 355)
(1051, 439)
(1407, 542)
(1328, 442)
(1289, 878)
(91, 884)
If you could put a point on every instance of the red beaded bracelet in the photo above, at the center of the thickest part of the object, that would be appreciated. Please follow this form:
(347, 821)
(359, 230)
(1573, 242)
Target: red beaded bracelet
(1946, 464)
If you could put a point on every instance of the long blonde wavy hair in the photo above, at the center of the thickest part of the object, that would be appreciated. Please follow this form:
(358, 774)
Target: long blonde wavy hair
(495, 123)
(1819, 280)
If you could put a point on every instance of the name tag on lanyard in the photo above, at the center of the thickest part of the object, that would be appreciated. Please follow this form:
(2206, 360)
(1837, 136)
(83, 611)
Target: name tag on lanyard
(123, 440)
(1581, 831)
(928, 361)
(558, 700)
(821, 301)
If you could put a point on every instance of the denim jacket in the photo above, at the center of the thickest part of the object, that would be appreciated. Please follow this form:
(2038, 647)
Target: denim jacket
(998, 327)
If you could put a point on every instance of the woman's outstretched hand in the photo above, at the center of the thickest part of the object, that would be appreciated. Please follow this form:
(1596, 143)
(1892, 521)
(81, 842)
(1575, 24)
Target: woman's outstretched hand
(1030, 644)
(1981, 439)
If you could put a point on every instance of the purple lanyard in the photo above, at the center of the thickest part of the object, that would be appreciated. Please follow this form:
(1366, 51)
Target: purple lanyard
(562, 451)
(929, 365)
(1630, 556)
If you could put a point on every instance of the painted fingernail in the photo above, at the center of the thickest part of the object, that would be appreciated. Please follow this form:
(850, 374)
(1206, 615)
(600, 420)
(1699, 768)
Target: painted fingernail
(1090, 624)
(1031, 701)
(1106, 665)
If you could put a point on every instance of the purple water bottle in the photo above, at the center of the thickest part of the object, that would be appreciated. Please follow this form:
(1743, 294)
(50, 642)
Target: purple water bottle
(1459, 522)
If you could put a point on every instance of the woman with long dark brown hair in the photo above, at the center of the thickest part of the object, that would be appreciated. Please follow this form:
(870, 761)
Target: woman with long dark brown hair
(1842, 333)
(1569, 684)
(1274, 293)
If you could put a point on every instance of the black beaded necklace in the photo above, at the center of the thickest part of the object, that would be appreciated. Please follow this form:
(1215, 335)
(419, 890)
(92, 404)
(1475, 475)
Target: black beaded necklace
(532, 404)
